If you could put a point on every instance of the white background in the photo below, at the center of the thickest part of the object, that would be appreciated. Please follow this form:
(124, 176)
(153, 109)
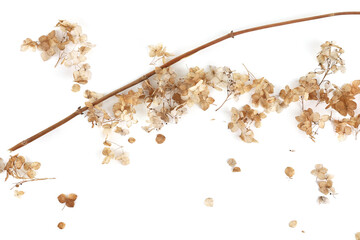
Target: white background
(160, 194)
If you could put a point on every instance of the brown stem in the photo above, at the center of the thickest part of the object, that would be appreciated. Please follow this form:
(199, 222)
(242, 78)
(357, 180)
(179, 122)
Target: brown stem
(302, 103)
(29, 180)
(171, 62)
(226, 99)
(326, 73)
(58, 60)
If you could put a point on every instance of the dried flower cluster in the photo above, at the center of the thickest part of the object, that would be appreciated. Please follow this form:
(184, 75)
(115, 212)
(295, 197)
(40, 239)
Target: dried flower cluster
(69, 200)
(324, 181)
(19, 168)
(243, 119)
(70, 44)
(158, 51)
(308, 120)
(329, 58)
(167, 97)
(315, 87)
(116, 153)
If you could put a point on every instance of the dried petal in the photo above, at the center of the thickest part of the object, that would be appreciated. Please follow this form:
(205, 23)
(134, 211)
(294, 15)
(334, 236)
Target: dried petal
(62, 198)
(72, 196)
(160, 138)
(61, 225)
(293, 223)
(70, 203)
(290, 172)
(231, 162)
(18, 194)
(75, 87)
(209, 202)
(31, 173)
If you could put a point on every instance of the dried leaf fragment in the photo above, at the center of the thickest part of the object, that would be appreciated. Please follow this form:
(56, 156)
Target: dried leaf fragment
(160, 138)
(209, 202)
(293, 223)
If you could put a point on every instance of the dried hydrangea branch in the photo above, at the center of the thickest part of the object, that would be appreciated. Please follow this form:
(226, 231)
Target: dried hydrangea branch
(169, 63)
